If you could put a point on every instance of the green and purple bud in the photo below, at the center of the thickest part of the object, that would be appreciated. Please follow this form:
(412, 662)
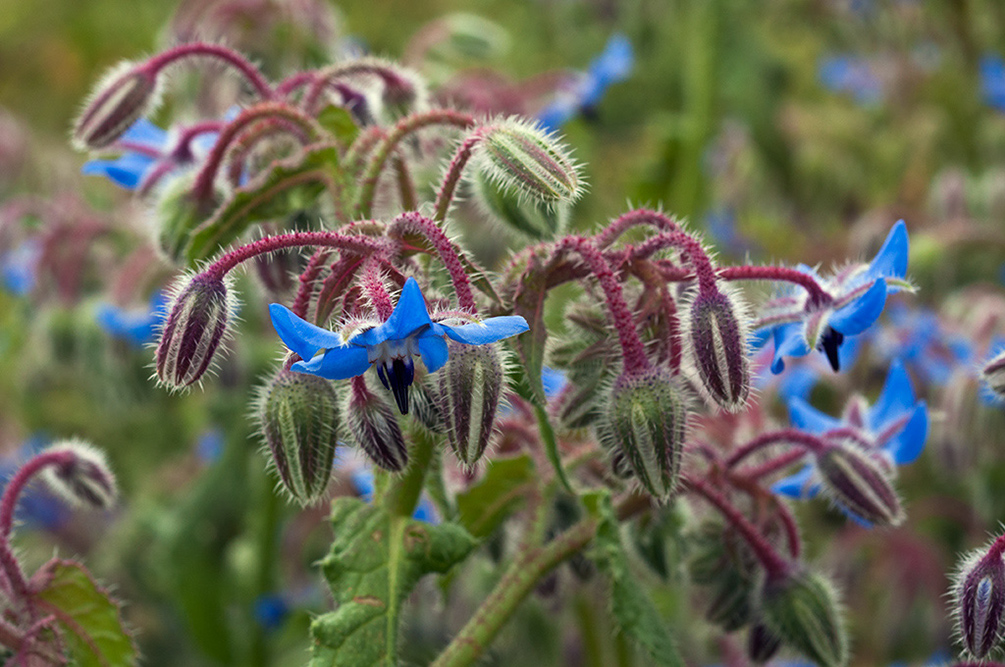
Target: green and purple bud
(126, 93)
(374, 427)
(802, 610)
(520, 156)
(858, 483)
(471, 386)
(994, 374)
(196, 325)
(762, 644)
(716, 348)
(299, 418)
(176, 215)
(979, 600)
(82, 477)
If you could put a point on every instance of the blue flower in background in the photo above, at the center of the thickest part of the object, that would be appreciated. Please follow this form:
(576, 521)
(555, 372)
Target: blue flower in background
(614, 64)
(554, 382)
(389, 346)
(138, 327)
(19, 267)
(362, 480)
(917, 337)
(853, 75)
(209, 446)
(992, 70)
(129, 169)
(37, 507)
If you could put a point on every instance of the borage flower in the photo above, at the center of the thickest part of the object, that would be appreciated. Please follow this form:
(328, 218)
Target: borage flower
(390, 346)
(855, 299)
(135, 326)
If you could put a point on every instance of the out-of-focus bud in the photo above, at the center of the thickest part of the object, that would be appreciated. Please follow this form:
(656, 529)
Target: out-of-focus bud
(587, 353)
(522, 157)
(374, 427)
(717, 350)
(731, 601)
(647, 419)
(423, 403)
(196, 324)
(177, 214)
(83, 476)
(856, 482)
(979, 600)
(994, 374)
(762, 644)
(533, 218)
(125, 94)
(299, 418)
(730, 571)
(802, 610)
(471, 385)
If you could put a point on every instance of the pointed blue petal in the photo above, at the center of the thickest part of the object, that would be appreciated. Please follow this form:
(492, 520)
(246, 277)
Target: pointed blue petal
(799, 485)
(489, 331)
(126, 171)
(895, 400)
(907, 446)
(891, 260)
(337, 363)
(145, 132)
(433, 350)
(409, 316)
(789, 342)
(861, 313)
(805, 416)
(301, 336)
(798, 382)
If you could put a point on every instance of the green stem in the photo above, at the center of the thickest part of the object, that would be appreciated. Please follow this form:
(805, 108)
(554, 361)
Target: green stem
(268, 522)
(551, 445)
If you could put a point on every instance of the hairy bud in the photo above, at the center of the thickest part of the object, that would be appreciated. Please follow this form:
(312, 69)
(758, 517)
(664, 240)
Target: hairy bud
(423, 403)
(471, 385)
(717, 350)
(802, 610)
(762, 643)
(196, 324)
(730, 571)
(994, 374)
(177, 214)
(857, 483)
(533, 218)
(374, 427)
(125, 94)
(979, 600)
(522, 157)
(646, 419)
(83, 476)
(299, 418)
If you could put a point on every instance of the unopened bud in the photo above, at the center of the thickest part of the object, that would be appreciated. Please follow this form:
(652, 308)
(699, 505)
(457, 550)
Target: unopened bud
(979, 601)
(83, 476)
(762, 643)
(299, 418)
(522, 157)
(423, 404)
(538, 220)
(646, 419)
(717, 351)
(125, 94)
(374, 427)
(802, 610)
(471, 385)
(856, 482)
(196, 324)
(994, 374)
(177, 214)
(731, 600)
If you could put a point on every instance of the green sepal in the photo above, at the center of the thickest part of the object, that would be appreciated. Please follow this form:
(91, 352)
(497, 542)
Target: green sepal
(339, 123)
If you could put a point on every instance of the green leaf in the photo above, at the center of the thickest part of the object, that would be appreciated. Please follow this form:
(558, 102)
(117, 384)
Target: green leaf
(88, 618)
(632, 607)
(502, 490)
(287, 186)
(374, 563)
(339, 123)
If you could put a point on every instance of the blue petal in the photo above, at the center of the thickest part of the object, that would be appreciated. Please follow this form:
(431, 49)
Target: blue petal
(554, 381)
(126, 171)
(301, 336)
(798, 382)
(789, 342)
(145, 132)
(805, 416)
(337, 363)
(798, 485)
(433, 350)
(409, 316)
(861, 313)
(557, 114)
(488, 331)
(362, 479)
(907, 446)
(891, 260)
(895, 400)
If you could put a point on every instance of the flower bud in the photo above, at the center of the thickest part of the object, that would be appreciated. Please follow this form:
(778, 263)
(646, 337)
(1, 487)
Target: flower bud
(471, 385)
(520, 156)
(125, 94)
(979, 601)
(177, 214)
(83, 477)
(731, 600)
(762, 643)
(374, 427)
(855, 482)
(994, 374)
(717, 351)
(533, 218)
(646, 419)
(299, 418)
(196, 324)
(423, 403)
(802, 610)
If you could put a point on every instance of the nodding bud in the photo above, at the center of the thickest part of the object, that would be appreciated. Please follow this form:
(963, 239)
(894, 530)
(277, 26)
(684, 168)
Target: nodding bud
(717, 350)
(82, 476)
(979, 601)
(196, 324)
(522, 157)
(423, 403)
(471, 385)
(730, 571)
(762, 643)
(299, 418)
(802, 610)
(374, 427)
(646, 419)
(177, 213)
(994, 374)
(857, 483)
(125, 94)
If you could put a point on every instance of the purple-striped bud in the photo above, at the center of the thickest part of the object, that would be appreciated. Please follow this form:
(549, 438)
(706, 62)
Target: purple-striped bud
(196, 324)
(374, 427)
(125, 94)
(762, 643)
(994, 374)
(803, 612)
(979, 600)
(471, 385)
(520, 156)
(715, 343)
(83, 476)
(299, 418)
(647, 419)
(856, 482)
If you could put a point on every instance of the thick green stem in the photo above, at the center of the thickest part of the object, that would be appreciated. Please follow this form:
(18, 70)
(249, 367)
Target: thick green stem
(267, 525)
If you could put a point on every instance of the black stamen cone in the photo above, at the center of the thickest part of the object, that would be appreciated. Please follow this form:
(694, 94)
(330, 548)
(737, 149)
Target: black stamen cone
(830, 343)
(399, 376)
(383, 378)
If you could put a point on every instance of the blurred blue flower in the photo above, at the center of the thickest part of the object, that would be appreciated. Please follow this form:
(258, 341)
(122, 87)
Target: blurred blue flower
(271, 610)
(209, 446)
(614, 64)
(129, 169)
(992, 70)
(19, 267)
(853, 75)
(554, 382)
(362, 480)
(916, 336)
(137, 327)
(390, 346)
(37, 507)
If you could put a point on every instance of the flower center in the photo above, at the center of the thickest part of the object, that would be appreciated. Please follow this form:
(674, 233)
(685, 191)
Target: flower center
(395, 368)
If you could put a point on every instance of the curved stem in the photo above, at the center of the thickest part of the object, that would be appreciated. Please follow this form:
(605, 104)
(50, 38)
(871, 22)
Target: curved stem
(307, 279)
(360, 245)
(683, 241)
(8, 503)
(450, 255)
(294, 82)
(774, 465)
(818, 296)
(373, 287)
(792, 436)
(452, 178)
(222, 53)
(636, 218)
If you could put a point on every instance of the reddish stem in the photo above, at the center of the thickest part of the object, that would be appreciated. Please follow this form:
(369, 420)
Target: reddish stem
(373, 287)
(307, 279)
(638, 217)
(818, 296)
(449, 254)
(772, 466)
(360, 245)
(230, 57)
(683, 241)
(453, 176)
(790, 436)
(294, 82)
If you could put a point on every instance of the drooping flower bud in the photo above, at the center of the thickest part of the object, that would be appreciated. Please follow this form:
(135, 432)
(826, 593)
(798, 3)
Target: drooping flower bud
(802, 610)
(83, 477)
(646, 419)
(299, 418)
(177, 213)
(979, 600)
(716, 349)
(471, 385)
(856, 482)
(522, 157)
(374, 427)
(423, 403)
(731, 601)
(538, 220)
(125, 94)
(994, 374)
(762, 643)
(196, 324)
(728, 568)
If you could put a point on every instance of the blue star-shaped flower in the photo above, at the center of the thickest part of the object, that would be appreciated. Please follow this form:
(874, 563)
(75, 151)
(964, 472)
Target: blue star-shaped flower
(137, 327)
(129, 169)
(896, 427)
(390, 346)
(858, 294)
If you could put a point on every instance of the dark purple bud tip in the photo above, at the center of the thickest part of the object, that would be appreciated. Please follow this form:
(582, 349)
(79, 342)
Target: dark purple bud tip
(375, 429)
(83, 476)
(979, 596)
(471, 386)
(197, 323)
(856, 482)
(717, 350)
(125, 94)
